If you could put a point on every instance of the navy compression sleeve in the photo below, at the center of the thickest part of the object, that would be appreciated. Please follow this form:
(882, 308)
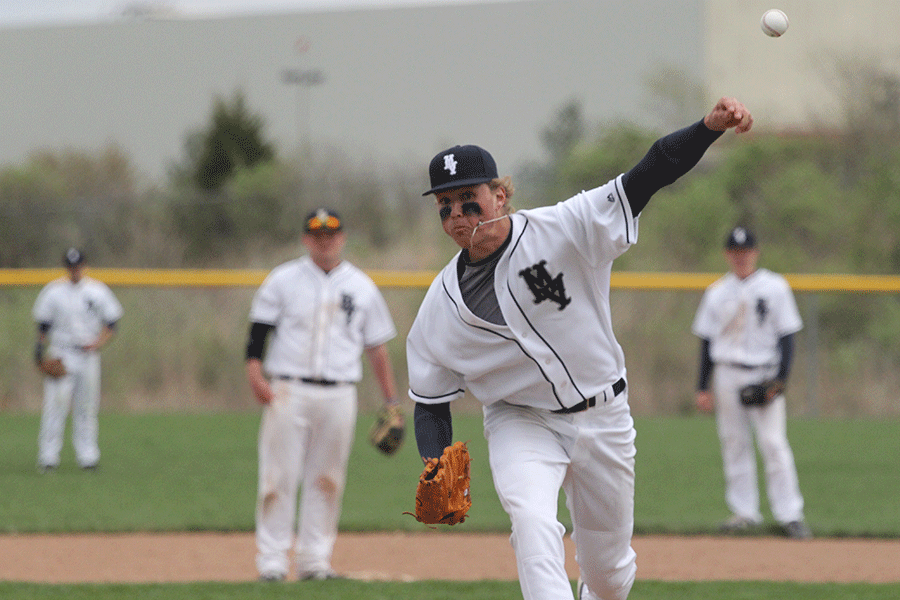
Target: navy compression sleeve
(669, 158)
(706, 367)
(256, 341)
(434, 428)
(786, 344)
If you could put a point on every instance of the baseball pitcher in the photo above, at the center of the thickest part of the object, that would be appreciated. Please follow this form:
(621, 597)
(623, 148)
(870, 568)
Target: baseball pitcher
(520, 318)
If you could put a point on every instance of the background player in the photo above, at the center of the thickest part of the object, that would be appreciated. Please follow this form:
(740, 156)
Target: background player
(76, 317)
(746, 322)
(322, 313)
(521, 318)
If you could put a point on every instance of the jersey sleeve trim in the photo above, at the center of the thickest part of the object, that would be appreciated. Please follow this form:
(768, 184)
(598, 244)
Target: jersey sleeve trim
(624, 205)
(431, 399)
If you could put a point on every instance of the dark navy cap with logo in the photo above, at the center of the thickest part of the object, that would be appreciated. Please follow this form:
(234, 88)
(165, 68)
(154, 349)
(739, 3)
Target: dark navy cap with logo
(740, 238)
(322, 219)
(72, 257)
(460, 166)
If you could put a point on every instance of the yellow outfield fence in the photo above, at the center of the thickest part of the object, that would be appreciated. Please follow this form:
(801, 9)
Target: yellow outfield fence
(421, 279)
(195, 350)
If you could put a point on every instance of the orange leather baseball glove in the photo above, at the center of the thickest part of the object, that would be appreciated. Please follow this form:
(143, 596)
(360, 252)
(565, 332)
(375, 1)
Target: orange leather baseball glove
(442, 496)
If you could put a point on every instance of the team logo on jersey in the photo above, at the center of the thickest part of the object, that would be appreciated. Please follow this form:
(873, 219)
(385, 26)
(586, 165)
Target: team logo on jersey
(450, 163)
(762, 309)
(610, 197)
(543, 286)
(347, 306)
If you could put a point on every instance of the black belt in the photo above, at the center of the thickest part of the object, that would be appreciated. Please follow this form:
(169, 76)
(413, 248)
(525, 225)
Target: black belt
(617, 388)
(737, 365)
(310, 380)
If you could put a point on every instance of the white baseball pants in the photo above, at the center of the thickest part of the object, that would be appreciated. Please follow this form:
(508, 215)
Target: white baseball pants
(78, 391)
(305, 439)
(737, 425)
(533, 453)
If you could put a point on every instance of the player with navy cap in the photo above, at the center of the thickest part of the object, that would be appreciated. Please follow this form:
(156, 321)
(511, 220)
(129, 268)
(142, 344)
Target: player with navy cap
(76, 317)
(520, 318)
(746, 323)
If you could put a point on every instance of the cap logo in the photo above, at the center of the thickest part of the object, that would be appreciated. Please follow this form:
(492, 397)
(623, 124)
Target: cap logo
(740, 236)
(460, 166)
(450, 163)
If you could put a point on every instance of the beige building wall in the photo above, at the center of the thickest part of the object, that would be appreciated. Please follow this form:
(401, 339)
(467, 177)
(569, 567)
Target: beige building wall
(399, 85)
(794, 82)
(403, 83)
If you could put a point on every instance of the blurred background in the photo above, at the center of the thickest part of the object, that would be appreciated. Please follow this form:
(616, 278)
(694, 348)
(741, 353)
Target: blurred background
(196, 134)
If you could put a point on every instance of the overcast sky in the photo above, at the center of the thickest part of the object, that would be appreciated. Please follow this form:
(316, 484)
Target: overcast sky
(24, 12)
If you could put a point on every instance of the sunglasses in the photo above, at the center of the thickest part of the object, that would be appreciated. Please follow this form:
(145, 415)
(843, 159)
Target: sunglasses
(329, 223)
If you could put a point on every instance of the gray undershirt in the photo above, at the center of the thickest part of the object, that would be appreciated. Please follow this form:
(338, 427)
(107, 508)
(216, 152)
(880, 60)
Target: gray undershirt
(476, 284)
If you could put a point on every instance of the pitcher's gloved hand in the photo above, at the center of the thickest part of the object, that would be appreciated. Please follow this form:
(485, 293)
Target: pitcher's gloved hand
(442, 496)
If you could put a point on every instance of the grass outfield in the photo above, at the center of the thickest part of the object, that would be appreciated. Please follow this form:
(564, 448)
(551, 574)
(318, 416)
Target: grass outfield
(443, 590)
(183, 472)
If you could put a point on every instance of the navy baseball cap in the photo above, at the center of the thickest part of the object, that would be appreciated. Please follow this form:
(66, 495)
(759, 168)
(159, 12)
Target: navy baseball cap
(72, 257)
(740, 238)
(322, 219)
(460, 166)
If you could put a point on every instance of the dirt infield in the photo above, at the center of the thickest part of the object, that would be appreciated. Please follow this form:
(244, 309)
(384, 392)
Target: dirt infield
(145, 558)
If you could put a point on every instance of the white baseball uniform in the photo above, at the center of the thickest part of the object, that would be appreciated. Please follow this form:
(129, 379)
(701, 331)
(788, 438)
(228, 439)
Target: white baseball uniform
(322, 323)
(555, 351)
(743, 321)
(77, 313)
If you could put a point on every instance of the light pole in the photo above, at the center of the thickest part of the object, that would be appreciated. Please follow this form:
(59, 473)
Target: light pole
(303, 79)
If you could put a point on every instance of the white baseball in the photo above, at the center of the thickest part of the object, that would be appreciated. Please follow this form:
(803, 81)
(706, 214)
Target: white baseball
(774, 22)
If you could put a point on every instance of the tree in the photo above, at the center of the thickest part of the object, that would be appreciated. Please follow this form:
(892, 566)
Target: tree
(60, 198)
(567, 129)
(233, 140)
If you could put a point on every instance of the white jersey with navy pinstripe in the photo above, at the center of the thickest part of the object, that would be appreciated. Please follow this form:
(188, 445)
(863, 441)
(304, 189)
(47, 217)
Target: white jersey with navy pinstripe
(552, 285)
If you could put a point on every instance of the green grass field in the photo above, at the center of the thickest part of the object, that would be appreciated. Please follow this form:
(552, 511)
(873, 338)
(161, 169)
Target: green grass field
(182, 472)
(442, 590)
(179, 472)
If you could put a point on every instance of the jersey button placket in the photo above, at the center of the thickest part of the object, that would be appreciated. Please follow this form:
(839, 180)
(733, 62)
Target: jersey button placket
(321, 329)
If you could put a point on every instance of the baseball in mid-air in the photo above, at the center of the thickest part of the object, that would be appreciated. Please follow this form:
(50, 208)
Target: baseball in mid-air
(774, 22)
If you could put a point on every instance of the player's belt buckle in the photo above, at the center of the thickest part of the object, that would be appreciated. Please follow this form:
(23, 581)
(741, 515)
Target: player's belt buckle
(617, 388)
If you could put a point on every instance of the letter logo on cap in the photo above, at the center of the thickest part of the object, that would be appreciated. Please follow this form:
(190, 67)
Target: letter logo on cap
(450, 163)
